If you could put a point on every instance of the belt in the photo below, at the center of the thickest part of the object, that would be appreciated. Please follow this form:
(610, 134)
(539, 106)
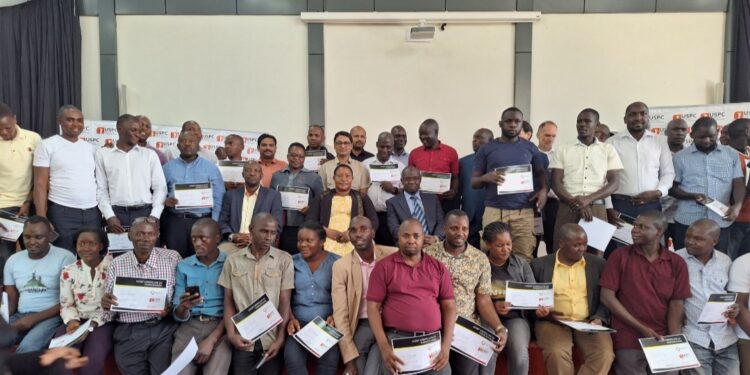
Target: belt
(132, 208)
(206, 318)
(189, 215)
(405, 333)
(51, 203)
(622, 197)
(151, 321)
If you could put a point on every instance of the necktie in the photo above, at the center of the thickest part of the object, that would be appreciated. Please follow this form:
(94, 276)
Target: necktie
(419, 213)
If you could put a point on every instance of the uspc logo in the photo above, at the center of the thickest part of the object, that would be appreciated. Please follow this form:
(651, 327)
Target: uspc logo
(738, 115)
(100, 130)
(659, 117)
(220, 138)
(250, 150)
(174, 134)
(159, 145)
(656, 130)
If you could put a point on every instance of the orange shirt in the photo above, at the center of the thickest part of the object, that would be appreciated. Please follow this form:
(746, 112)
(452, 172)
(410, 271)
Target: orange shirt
(269, 168)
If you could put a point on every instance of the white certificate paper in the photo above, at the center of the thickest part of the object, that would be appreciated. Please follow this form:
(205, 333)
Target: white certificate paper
(313, 158)
(119, 242)
(599, 232)
(294, 198)
(518, 179)
(257, 319)
(4, 309)
(671, 354)
(473, 341)
(713, 311)
(140, 295)
(13, 226)
(418, 353)
(231, 170)
(72, 338)
(529, 296)
(384, 172)
(719, 208)
(586, 327)
(183, 359)
(318, 337)
(436, 183)
(199, 195)
(623, 234)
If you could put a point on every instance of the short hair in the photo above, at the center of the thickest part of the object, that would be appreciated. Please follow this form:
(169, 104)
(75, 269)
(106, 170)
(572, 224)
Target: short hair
(207, 222)
(315, 227)
(591, 111)
(126, 118)
(321, 127)
(66, 107)
(659, 219)
(430, 122)
(635, 104)
(36, 219)
(738, 128)
(343, 134)
(384, 135)
(101, 236)
(494, 229)
(527, 127)
(568, 230)
(703, 122)
(486, 132)
(189, 123)
(295, 144)
(5, 110)
(399, 127)
(455, 212)
(265, 136)
(675, 122)
(233, 136)
(343, 166)
(511, 109)
(545, 123)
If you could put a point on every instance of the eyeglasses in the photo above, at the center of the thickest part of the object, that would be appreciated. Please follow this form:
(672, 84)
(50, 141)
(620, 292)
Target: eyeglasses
(342, 143)
(146, 219)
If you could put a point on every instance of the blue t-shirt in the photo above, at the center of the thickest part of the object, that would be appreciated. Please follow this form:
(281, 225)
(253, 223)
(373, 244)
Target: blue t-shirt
(37, 280)
(499, 154)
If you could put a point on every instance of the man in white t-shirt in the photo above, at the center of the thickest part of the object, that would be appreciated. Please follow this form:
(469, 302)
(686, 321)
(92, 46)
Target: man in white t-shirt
(64, 182)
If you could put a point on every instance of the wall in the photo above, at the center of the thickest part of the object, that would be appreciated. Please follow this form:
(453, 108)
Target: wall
(373, 77)
(91, 91)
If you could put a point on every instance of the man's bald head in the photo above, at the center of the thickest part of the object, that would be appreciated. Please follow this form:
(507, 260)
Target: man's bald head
(707, 226)
(262, 219)
(571, 231)
(385, 136)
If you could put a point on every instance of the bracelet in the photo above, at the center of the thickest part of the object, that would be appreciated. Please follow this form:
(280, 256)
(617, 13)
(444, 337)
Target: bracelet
(501, 329)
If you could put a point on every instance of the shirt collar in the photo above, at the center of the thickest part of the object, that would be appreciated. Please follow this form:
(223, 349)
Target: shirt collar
(266, 163)
(409, 195)
(719, 148)
(580, 263)
(255, 193)
(374, 256)
(662, 252)
(596, 142)
(250, 256)
(193, 260)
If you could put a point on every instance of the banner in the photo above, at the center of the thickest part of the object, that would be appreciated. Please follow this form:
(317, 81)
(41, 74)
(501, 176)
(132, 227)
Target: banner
(722, 113)
(164, 137)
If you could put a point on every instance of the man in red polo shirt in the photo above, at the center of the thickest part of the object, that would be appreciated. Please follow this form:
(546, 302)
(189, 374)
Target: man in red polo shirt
(644, 286)
(434, 156)
(410, 293)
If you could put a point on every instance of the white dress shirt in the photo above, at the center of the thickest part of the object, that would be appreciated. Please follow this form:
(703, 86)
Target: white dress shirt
(377, 195)
(129, 179)
(647, 164)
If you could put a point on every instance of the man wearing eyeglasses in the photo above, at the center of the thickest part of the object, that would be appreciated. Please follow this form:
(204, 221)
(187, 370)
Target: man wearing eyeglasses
(342, 142)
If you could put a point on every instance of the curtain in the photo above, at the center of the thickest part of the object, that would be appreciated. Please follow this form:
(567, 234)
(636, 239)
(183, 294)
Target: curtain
(40, 61)
(740, 87)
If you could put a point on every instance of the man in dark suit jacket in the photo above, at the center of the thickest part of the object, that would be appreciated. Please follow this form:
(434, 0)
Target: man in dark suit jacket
(242, 204)
(404, 206)
(575, 276)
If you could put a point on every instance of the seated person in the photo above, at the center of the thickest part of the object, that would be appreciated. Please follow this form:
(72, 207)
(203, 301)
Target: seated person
(424, 207)
(311, 298)
(32, 281)
(81, 291)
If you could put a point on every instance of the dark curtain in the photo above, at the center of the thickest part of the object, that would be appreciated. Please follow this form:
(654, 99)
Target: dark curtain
(740, 86)
(40, 61)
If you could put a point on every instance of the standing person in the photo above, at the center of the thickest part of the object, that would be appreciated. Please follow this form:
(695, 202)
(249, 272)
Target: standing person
(311, 298)
(188, 168)
(516, 209)
(64, 181)
(584, 174)
(268, 161)
(435, 156)
(602, 132)
(316, 140)
(380, 191)
(472, 200)
(739, 231)
(145, 134)
(412, 203)
(410, 293)
(702, 171)
(359, 136)
(194, 128)
(233, 147)
(360, 174)
(275, 270)
(676, 132)
(713, 344)
(130, 181)
(527, 131)
(399, 144)
(351, 277)
(297, 176)
(546, 135)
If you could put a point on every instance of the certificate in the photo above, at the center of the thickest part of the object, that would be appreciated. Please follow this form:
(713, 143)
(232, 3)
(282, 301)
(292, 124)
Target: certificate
(599, 232)
(518, 179)
(13, 226)
(313, 158)
(198, 195)
(586, 327)
(384, 172)
(529, 296)
(418, 353)
(293, 197)
(231, 170)
(140, 295)
(713, 310)
(257, 319)
(623, 234)
(473, 341)
(317, 336)
(719, 208)
(538, 226)
(72, 338)
(4, 309)
(119, 242)
(436, 183)
(183, 359)
(671, 354)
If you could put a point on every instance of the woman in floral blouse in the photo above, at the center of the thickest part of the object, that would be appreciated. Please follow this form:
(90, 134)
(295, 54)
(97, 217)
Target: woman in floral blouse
(81, 290)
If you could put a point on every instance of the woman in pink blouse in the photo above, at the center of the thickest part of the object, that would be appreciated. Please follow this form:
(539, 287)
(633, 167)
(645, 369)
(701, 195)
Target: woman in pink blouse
(81, 290)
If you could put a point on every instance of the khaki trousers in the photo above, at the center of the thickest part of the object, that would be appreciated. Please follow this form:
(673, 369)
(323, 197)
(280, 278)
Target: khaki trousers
(557, 341)
(220, 358)
(566, 215)
(521, 228)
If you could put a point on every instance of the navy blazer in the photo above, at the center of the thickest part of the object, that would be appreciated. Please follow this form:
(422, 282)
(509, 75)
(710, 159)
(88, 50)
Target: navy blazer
(398, 211)
(231, 209)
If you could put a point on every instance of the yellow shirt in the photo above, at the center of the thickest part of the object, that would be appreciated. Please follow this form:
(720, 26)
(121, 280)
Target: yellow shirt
(248, 206)
(569, 283)
(16, 157)
(341, 215)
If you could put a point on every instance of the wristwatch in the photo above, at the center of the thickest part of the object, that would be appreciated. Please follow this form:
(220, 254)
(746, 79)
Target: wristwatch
(231, 237)
(501, 329)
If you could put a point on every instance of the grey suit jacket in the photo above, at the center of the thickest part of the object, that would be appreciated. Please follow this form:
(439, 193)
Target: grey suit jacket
(231, 209)
(398, 211)
(544, 267)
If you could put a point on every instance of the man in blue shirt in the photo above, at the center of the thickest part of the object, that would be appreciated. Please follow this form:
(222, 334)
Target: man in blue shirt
(516, 209)
(189, 168)
(472, 200)
(201, 312)
(705, 172)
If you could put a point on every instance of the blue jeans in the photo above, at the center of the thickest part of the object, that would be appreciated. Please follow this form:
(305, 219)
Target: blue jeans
(39, 336)
(516, 349)
(739, 240)
(720, 362)
(295, 358)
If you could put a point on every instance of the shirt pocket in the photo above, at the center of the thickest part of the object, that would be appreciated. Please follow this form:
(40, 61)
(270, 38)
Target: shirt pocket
(664, 286)
(272, 281)
(239, 277)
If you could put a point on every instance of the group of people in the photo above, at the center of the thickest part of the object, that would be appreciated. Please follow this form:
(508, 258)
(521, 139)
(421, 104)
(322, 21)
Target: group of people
(377, 257)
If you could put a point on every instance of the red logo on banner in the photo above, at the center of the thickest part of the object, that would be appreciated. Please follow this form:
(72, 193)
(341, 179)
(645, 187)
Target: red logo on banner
(174, 134)
(677, 116)
(250, 150)
(738, 115)
(100, 130)
(705, 114)
(160, 145)
(656, 130)
(220, 138)
(108, 141)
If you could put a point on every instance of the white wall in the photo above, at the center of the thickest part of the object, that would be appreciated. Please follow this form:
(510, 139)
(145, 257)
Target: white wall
(91, 91)
(226, 72)
(373, 77)
(606, 61)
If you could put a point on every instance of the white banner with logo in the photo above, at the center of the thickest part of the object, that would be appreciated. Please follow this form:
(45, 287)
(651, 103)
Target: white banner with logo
(164, 137)
(722, 113)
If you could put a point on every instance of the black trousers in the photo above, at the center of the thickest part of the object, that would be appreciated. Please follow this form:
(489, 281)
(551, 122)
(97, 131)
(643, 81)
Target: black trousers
(175, 232)
(383, 236)
(288, 240)
(244, 362)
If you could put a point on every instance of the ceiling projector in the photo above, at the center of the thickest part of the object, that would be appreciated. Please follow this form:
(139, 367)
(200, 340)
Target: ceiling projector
(421, 33)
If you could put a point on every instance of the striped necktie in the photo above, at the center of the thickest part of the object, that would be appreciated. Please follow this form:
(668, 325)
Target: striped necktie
(419, 213)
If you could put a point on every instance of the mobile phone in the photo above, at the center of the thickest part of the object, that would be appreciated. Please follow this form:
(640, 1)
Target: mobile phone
(193, 290)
